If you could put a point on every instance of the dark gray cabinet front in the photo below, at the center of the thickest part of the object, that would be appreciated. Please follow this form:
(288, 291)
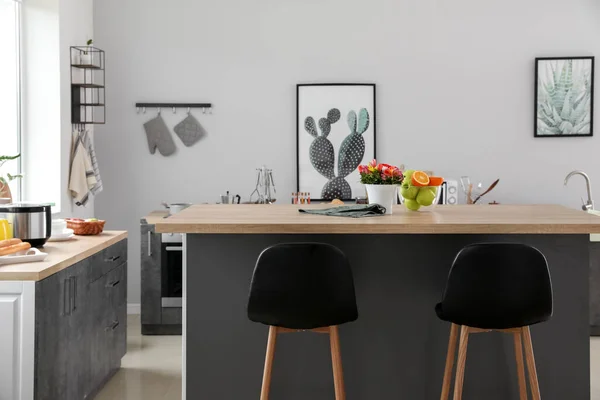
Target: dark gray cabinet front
(81, 326)
(150, 276)
(52, 337)
(78, 365)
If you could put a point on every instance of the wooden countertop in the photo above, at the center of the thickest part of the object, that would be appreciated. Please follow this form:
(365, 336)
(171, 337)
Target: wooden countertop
(156, 216)
(61, 255)
(503, 219)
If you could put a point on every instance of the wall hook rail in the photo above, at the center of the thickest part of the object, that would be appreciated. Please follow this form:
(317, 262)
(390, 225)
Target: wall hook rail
(174, 106)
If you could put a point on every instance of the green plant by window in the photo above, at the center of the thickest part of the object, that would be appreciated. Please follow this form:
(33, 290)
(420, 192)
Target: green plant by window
(5, 180)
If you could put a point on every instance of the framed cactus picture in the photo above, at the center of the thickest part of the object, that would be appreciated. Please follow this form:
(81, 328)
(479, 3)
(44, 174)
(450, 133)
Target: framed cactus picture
(564, 97)
(335, 131)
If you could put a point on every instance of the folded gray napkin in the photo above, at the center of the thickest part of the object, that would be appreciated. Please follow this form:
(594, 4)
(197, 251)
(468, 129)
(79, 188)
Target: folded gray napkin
(357, 211)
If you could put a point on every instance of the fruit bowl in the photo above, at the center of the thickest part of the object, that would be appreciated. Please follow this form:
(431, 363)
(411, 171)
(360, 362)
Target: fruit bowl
(419, 191)
(410, 203)
(83, 227)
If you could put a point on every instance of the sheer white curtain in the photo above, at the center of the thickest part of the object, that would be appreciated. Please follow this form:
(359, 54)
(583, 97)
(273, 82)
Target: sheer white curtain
(10, 17)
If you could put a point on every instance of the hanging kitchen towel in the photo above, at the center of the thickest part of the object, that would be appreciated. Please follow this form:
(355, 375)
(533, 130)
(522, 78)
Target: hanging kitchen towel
(357, 211)
(189, 130)
(88, 141)
(158, 135)
(82, 178)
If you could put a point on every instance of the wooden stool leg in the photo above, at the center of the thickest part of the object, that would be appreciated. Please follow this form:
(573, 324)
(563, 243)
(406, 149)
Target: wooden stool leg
(461, 363)
(533, 379)
(266, 383)
(336, 361)
(449, 362)
(520, 366)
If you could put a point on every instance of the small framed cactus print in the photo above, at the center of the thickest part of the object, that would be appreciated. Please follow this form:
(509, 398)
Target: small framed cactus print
(335, 128)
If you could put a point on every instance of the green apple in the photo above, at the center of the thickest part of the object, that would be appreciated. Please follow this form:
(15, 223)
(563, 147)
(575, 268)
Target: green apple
(412, 205)
(408, 175)
(425, 196)
(409, 192)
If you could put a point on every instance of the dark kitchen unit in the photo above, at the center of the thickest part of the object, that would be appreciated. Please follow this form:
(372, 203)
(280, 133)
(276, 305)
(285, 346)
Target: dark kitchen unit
(162, 280)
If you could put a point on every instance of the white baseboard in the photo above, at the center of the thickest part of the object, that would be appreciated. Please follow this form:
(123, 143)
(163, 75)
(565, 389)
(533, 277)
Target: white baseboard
(133, 308)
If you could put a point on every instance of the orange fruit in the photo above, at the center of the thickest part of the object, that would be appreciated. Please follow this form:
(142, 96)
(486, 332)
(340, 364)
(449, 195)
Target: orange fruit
(436, 181)
(420, 178)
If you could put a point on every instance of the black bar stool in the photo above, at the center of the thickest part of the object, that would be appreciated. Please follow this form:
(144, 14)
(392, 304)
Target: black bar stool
(502, 287)
(300, 287)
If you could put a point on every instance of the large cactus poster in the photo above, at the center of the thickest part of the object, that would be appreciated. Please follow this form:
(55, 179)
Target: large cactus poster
(335, 134)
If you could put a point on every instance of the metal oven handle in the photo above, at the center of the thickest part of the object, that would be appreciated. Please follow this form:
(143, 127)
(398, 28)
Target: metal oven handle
(174, 248)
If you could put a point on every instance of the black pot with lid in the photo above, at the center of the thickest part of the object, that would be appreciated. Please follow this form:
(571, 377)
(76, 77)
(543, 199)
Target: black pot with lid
(30, 222)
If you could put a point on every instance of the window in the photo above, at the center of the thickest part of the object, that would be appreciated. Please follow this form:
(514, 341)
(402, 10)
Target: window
(10, 137)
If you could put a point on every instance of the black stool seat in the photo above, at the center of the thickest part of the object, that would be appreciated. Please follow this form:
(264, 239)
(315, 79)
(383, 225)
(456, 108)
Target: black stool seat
(302, 286)
(497, 286)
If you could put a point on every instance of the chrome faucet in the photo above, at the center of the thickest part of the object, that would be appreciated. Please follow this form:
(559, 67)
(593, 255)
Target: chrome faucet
(589, 205)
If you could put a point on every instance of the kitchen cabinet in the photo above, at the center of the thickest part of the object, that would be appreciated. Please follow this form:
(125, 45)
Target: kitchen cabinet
(156, 319)
(16, 339)
(151, 306)
(80, 318)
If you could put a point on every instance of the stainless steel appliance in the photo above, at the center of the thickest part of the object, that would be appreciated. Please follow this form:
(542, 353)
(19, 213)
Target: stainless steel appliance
(30, 222)
(171, 270)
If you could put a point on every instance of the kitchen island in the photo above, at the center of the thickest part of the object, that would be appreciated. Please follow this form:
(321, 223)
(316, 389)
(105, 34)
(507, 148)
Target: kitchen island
(397, 347)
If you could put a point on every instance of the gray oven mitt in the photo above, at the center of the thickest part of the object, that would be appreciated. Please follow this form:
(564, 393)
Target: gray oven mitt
(189, 130)
(158, 135)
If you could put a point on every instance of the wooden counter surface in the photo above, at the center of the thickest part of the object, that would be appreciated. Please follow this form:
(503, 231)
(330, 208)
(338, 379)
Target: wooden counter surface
(499, 219)
(61, 255)
(156, 216)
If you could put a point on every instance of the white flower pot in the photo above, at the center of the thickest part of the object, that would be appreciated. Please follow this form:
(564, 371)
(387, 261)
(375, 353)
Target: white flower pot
(384, 195)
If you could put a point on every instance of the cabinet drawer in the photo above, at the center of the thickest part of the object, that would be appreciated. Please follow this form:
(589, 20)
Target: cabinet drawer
(115, 283)
(106, 260)
(108, 331)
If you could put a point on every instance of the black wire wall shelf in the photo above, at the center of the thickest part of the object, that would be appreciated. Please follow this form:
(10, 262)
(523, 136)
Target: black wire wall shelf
(88, 91)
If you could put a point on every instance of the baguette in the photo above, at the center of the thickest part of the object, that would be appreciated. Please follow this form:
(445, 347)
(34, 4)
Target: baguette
(15, 248)
(9, 242)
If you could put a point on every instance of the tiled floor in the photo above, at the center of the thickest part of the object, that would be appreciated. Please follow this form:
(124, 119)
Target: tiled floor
(151, 369)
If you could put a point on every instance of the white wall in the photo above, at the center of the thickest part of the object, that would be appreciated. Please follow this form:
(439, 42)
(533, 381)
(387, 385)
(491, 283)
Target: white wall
(76, 27)
(455, 92)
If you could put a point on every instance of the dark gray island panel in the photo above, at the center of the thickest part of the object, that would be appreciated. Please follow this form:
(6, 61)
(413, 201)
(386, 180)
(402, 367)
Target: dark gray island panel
(397, 347)
(595, 288)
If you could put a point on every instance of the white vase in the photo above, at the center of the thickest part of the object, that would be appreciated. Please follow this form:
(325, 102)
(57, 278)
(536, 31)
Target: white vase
(85, 59)
(384, 195)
